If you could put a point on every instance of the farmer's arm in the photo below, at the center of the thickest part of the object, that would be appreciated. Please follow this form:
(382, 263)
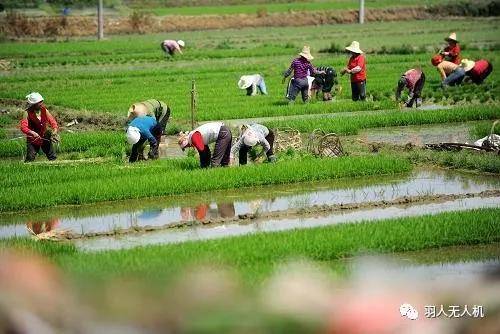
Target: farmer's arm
(400, 88)
(197, 141)
(441, 72)
(52, 121)
(265, 144)
(23, 125)
(236, 147)
(287, 73)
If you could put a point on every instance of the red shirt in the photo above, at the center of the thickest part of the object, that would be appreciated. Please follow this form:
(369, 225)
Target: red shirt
(32, 123)
(454, 54)
(480, 68)
(411, 78)
(354, 61)
(197, 141)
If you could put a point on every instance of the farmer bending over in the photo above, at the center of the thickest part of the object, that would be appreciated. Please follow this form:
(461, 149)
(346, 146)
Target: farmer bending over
(301, 67)
(477, 71)
(451, 74)
(204, 135)
(324, 82)
(414, 80)
(34, 125)
(154, 108)
(251, 135)
(171, 46)
(251, 83)
(140, 129)
(356, 67)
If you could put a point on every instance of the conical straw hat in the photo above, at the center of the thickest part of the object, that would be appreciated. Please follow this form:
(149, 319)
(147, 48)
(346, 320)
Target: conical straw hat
(467, 64)
(354, 47)
(306, 53)
(452, 37)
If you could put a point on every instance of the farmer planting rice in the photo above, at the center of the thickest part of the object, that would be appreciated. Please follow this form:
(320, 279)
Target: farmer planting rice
(251, 83)
(154, 108)
(171, 47)
(451, 74)
(301, 68)
(251, 135)
(356, 67)
(452, 51)
(140, 129)
(34, 125)
(414, 80)
(476, 71)
(324, 82)
(204, 135)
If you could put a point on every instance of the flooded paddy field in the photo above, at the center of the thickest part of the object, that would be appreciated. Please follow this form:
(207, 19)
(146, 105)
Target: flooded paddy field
(230, 213)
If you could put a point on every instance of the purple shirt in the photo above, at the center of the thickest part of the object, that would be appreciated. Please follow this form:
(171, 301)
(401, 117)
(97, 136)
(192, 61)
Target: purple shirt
(301, 68)
(171, 45)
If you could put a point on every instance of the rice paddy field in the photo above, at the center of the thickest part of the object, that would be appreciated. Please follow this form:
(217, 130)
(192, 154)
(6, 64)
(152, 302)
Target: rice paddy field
(163, 245)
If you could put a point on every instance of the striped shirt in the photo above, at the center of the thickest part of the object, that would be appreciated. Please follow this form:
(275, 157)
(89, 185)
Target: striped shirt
(301, 68)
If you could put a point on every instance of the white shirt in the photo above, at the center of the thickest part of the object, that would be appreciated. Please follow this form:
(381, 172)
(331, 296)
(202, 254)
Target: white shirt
(209, 132)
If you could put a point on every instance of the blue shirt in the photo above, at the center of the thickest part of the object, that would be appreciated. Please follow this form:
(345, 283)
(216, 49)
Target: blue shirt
(145, 124)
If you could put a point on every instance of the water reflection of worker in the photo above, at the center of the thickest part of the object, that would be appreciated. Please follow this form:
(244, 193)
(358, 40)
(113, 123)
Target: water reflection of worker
(251, 135)
(43, 226)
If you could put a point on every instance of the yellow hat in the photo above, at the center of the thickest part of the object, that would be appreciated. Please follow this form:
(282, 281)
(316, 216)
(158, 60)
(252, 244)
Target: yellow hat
(354, 47)
(306, 53)
(467, 64)
(452, 37)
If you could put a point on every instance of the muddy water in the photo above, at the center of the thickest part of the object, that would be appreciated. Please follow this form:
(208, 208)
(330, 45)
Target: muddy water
(420, 135)
(226, 205)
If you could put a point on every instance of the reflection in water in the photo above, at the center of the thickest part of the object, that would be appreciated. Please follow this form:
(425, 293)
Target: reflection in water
(43, 226)
(204, 211)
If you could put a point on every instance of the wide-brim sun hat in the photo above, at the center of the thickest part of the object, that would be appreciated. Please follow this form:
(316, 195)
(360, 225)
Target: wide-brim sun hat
(133, 135)
(181, 43)
(452, 37)
(250, 138)
(33, 98)
(244, 82)
(306, 53)
(467, 64)
(183, 140)
(354, 47)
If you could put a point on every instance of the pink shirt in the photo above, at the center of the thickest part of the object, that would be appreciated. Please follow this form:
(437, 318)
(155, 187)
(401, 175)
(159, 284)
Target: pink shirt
(171, 45)
(411, 77)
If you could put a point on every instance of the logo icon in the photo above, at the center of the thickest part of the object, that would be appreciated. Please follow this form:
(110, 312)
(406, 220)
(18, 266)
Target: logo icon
(408, 311)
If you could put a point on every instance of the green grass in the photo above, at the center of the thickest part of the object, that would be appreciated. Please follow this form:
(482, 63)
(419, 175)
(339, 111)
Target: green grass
(351, 124)
(88, 183)
(256, 256)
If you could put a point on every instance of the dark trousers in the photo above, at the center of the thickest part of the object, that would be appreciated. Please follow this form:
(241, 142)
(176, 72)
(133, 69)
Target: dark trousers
(479, 79)
(358, 90)
(243, 154)
(47, 148)
(222, 150)
(298, 85)
(138, 148)
(455, 78)
(417, 91)
(162, 116)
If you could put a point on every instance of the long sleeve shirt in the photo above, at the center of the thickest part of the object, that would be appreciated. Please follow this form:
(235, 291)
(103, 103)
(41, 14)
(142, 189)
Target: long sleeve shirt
(453, 54)
(172, 46)
(145, 124)
(32, 122)
(204, 135)
(301, 68)
(260, 130)
(445, 68)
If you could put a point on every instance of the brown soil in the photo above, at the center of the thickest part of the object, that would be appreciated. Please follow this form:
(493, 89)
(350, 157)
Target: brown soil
(313, 211)
(18, 26)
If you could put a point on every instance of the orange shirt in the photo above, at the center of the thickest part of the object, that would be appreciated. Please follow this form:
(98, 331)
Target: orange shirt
(355, 61)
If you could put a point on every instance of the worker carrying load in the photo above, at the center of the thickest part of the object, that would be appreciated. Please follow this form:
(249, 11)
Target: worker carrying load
(154, 108)
(251, 83)
(171, 46)
(140, 129)
(452, 51)
(477, 71)
(34, 125)
(251, 135)
(204, 135)
(356, 67)
(301, 68)
(414, 80)
(451, 74)
(324, 82)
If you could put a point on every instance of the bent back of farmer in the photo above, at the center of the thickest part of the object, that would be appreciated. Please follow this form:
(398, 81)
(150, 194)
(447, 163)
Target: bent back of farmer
(325, 81)
(204, 135)
(250, 136)
(140, 129)
(34, 125)
(414, 80)
(154, 108)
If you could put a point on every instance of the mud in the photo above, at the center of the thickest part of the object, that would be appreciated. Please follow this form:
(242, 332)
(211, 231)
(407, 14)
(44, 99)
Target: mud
(43, 27)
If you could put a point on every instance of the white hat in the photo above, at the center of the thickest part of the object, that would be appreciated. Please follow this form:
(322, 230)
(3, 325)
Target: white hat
(467, 64)
(250, 138)
(183, 140)
(306, 53)
(181, 43)
(452, 37)
(133, 135)
(245, 82)
(33, 98)
(354, 47)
